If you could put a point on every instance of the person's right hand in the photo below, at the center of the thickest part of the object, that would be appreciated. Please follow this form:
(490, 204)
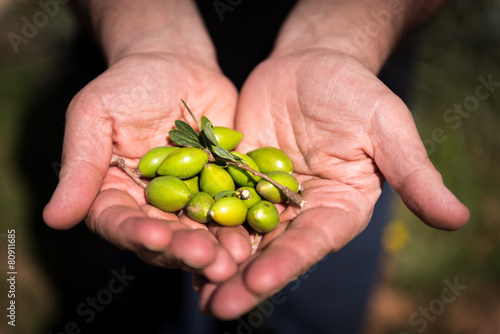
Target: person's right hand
(124, 112)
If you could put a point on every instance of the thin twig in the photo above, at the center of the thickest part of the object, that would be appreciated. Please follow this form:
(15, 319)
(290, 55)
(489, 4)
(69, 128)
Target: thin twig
(292, 195)
(134, 175)
(210, 156)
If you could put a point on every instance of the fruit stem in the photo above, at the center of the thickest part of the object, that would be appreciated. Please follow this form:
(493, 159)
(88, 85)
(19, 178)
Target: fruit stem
(243, 194)
(133, 175)
(292, 195)
(210, 156)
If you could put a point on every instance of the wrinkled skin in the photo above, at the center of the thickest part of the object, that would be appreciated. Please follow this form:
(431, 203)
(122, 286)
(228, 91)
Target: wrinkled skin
(343, 129)
(126, 111)
(345, 132)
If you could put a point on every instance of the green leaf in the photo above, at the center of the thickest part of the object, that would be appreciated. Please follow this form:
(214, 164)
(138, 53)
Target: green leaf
(224, 193)
(208, 131)
(202, 140)
(191, 113)
(204, 120)
(223, 153)
(182, 139)
(239, 159)
(186, 128)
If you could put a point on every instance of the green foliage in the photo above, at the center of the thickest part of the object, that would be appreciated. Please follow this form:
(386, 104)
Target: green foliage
(459, 46)
(185, 135)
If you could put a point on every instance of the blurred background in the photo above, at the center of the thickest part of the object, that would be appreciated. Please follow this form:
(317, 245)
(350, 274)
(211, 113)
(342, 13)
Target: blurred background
(431, 281)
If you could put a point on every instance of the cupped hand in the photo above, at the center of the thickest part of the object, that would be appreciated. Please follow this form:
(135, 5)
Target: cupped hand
(345, 132)
(124, 112)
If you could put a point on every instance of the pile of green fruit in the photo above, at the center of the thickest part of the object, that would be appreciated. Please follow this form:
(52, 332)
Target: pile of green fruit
(210, 181)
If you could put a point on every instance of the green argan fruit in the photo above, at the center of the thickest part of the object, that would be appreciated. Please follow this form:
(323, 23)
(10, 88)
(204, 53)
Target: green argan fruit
(271, 193)
(263, 216)
(228, 211)
(252, 198)
(227, 138)
(241, 176)
(167, 193)
(270, 159)
(214, 179)
(193, 184)
(183, 163)
(198, 206)
(150, 161)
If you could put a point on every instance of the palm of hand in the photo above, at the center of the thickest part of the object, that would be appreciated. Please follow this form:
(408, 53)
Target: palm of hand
(339, 124)
(142, 100)
(318, 109)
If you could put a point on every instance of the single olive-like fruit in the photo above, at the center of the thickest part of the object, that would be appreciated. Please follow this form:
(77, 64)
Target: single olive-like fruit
(227, 138)
(183, 163)
(273, 194)
(150, 161)
(214, 179)
(193, 184)
(243, 177)
(270, 159)
(228, 211)
(167, 193)
(198, 206)
(263, 216)
(252, 198)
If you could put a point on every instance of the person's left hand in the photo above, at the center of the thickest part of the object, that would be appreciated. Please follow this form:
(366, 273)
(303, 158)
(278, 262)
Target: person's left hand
(344, 131)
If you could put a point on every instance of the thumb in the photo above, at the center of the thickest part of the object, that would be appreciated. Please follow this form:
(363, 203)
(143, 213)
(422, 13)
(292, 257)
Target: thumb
(87, 151)
(401, 157)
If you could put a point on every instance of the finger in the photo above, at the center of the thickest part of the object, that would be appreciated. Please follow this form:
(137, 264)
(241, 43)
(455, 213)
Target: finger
(221, 268)
(198, 251)
(116, 216)
(209, 303)
(194, 251)
(401, 157)
(87, 153)
(183, 218)
(235, 239)
(206, 290)
(311, 236)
